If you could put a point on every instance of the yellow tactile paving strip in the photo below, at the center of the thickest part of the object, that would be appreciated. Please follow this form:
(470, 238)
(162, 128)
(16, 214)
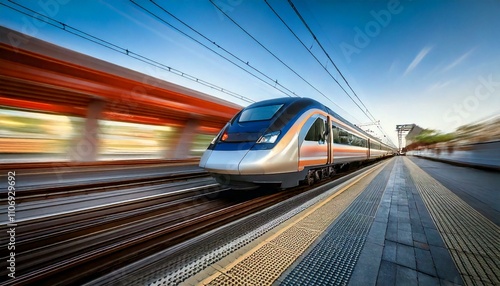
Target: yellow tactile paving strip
(472, 239)
(263, 261)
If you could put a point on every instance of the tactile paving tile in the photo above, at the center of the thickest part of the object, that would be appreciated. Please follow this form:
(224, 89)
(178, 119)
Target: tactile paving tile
(257, 269)
(472, 240)
(332, 260)
(296, 239)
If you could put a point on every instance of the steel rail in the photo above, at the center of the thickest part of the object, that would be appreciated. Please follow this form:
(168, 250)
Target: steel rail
(32, 194)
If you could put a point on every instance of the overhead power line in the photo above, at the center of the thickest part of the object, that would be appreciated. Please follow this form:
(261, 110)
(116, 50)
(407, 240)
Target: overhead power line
(270, 52)
(365, 111)
(329, 58)
(273, 82)
(309, 51)
(55, 23)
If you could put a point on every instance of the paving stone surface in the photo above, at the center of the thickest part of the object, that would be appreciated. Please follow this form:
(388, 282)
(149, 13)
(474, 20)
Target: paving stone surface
(413, 252)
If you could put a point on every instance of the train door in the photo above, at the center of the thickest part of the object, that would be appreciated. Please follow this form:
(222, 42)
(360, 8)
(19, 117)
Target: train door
(314, 148)
(368, 149)
(329, 139)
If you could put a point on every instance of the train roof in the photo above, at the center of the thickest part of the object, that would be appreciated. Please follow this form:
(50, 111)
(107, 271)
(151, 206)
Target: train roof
(284, 100)
(309, 102)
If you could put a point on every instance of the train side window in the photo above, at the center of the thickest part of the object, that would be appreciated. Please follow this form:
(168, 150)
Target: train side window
(356, 141)
(344, 136)
(317, 131)
(351, 140)
(359, 141)
(335, 133)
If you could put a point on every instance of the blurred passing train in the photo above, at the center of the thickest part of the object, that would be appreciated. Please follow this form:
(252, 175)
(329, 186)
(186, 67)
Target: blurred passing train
(284, 142)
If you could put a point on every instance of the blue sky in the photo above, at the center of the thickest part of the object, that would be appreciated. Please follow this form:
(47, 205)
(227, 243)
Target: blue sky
(433, 63)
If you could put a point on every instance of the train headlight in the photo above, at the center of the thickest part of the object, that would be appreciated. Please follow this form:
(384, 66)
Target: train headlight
(269, 137)
(221, 136)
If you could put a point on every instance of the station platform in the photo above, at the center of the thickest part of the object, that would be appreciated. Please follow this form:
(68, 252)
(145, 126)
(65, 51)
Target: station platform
(393, 225)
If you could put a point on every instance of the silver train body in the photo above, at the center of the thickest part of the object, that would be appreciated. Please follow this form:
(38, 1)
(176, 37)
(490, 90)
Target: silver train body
(286, 141)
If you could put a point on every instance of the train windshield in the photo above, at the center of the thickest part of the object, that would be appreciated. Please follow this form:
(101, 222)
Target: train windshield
(259, 113)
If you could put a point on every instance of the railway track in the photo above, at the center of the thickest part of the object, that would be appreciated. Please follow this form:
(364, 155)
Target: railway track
(67, 190)
(51, 244)
(74, 247)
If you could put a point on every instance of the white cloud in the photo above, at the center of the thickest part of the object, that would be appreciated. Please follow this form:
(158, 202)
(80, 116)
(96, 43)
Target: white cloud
(439, 85)
(420, 56)
(458, 61)
(393, 66)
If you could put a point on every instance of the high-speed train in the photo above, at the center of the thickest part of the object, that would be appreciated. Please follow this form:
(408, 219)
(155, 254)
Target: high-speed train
(284, 142)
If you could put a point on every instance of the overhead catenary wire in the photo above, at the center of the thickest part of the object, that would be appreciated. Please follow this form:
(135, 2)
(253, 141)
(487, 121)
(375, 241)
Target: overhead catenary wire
(329, 58)
(246, 63)
(368, 114)
(270, 52)
(67, 28)
(272, 83)
(309, 50)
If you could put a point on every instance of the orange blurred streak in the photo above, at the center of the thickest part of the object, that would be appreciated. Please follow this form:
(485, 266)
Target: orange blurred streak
(208, 130)
(40, 106)
(113, 116)
(30, 145)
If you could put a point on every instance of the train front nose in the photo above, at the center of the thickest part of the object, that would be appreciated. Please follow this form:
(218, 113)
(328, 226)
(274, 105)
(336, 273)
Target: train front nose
(222, 162)
(223, 166)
